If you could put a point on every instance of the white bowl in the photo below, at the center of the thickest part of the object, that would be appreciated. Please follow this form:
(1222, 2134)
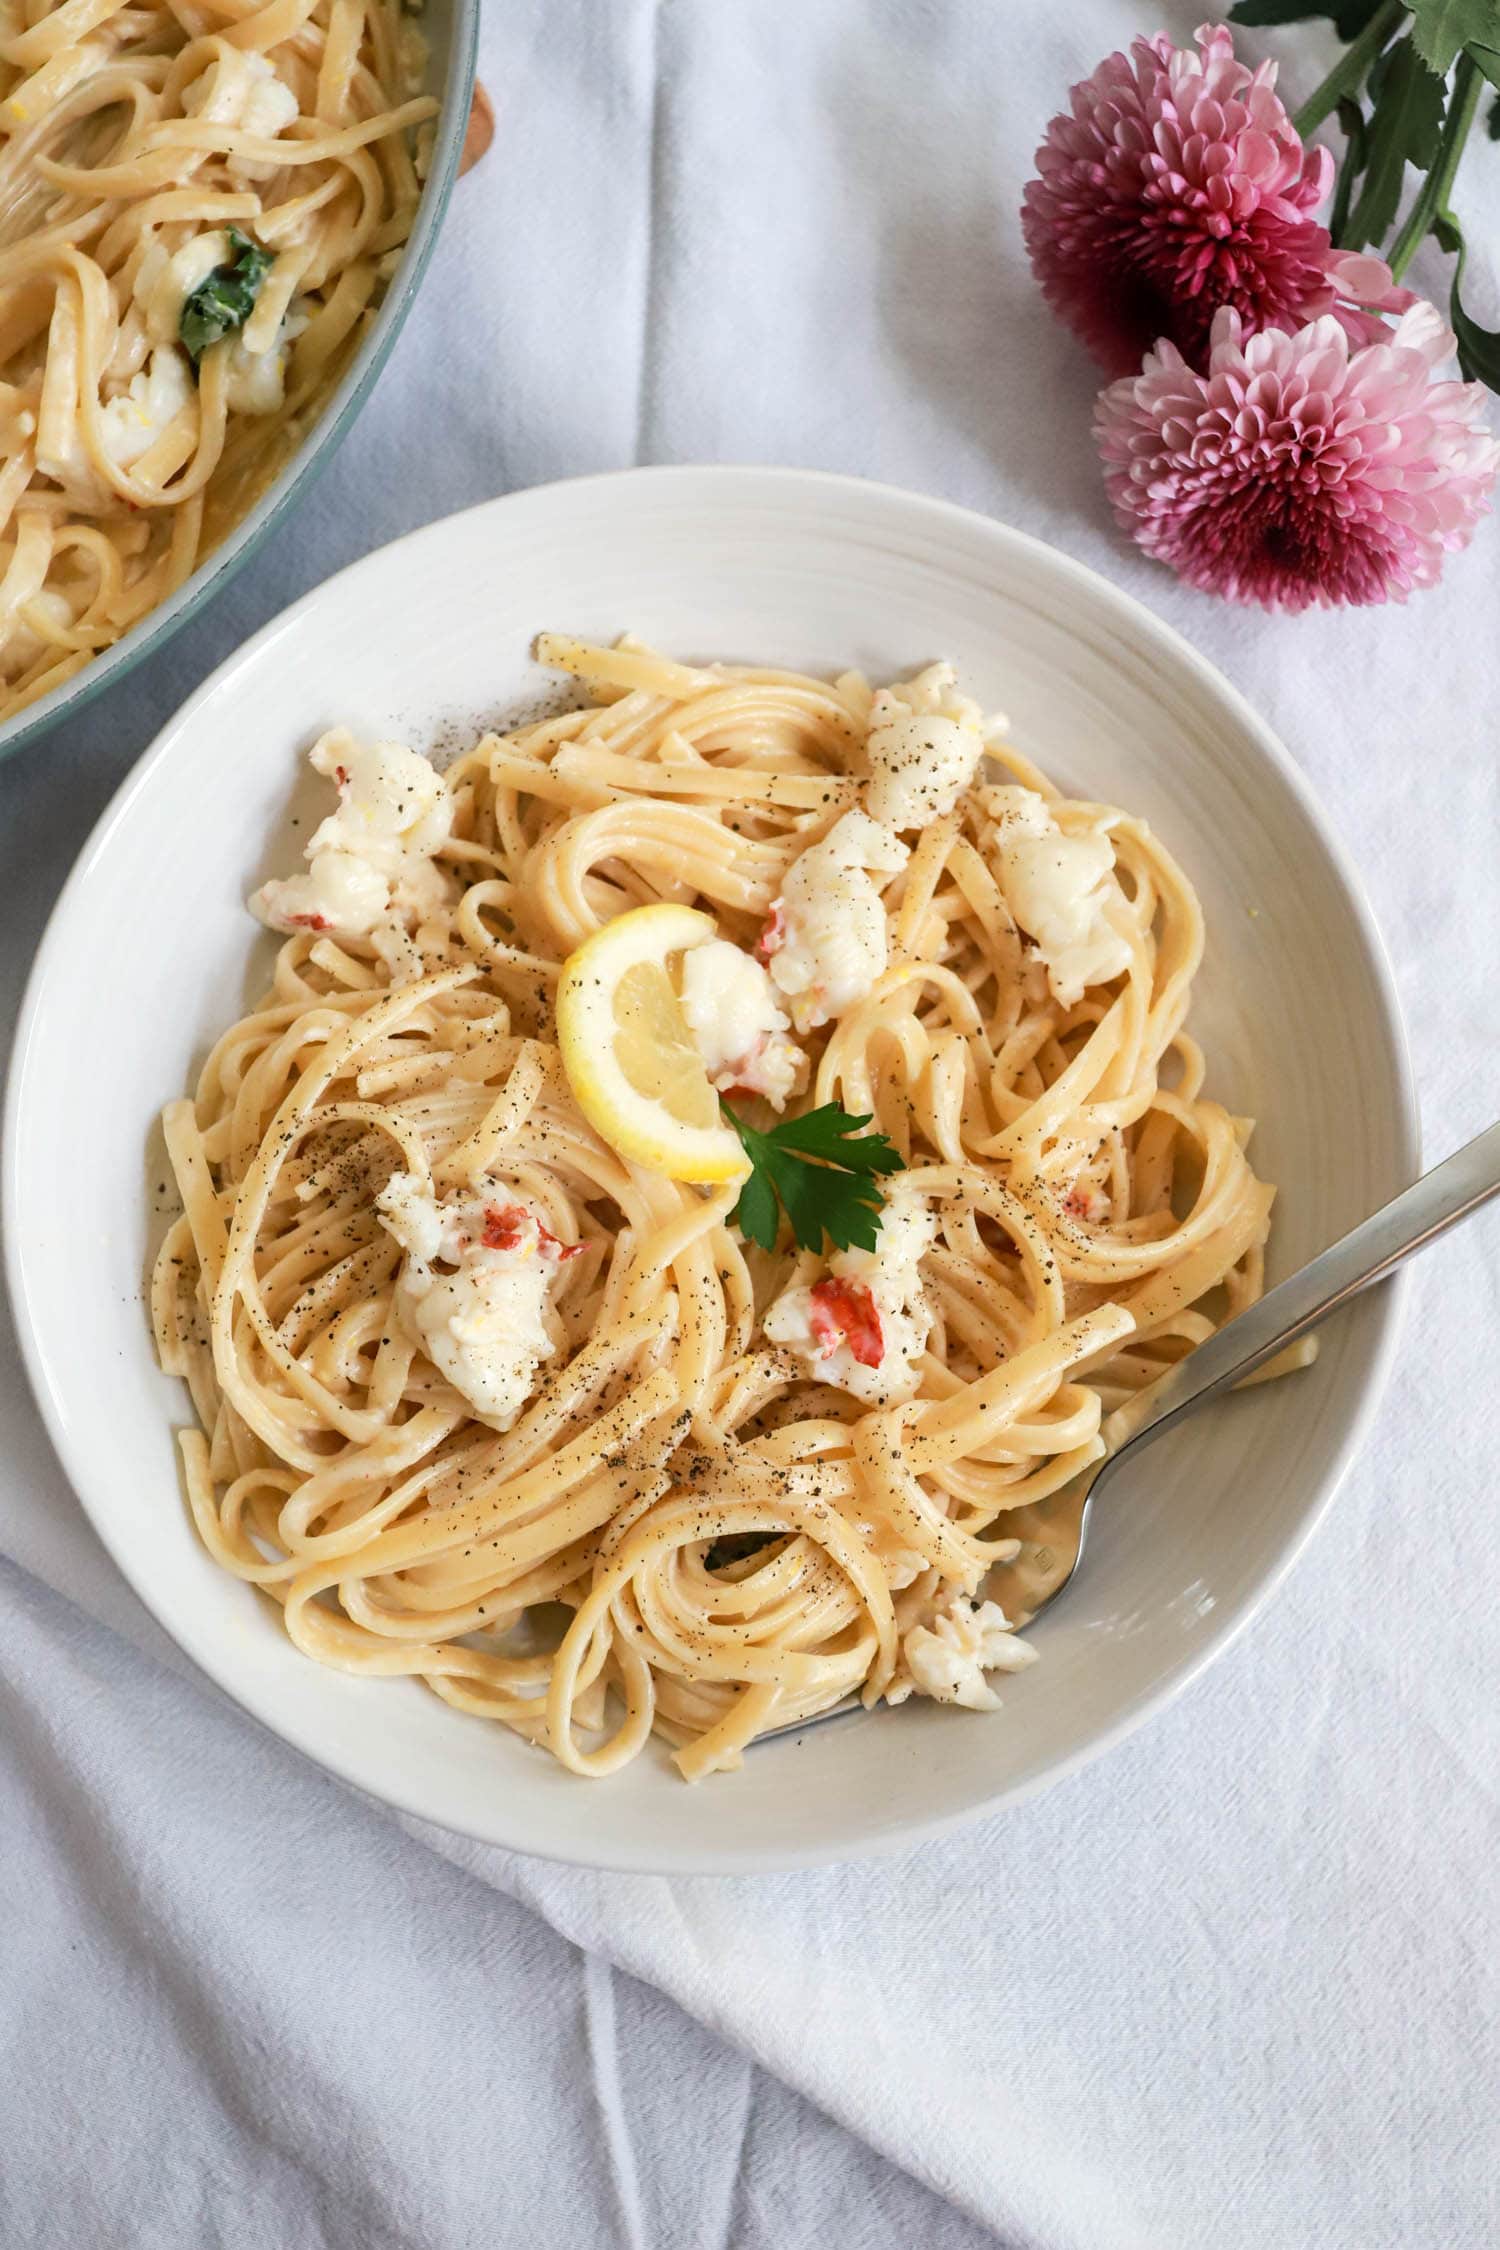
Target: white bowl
(149, 955)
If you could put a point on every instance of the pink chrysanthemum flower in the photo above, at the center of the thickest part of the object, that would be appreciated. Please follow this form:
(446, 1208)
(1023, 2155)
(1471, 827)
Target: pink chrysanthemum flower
(1297, 469)
(1178, 184)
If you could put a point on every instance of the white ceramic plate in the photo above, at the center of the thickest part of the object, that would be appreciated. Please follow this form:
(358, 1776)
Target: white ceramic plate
(150, 953)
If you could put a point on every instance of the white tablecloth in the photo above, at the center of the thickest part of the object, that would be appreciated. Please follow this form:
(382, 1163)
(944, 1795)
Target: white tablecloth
(1235, 1985)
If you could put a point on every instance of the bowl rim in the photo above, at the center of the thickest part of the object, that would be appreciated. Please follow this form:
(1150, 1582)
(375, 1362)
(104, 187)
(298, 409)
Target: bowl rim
(340, 412)
(714, 1856)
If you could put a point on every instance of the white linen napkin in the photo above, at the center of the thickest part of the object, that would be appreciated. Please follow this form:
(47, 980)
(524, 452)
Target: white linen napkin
(1236, 1983)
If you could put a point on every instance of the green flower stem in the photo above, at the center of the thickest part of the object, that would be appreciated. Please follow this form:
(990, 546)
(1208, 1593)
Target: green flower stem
(1432, 196)
(1349, 72)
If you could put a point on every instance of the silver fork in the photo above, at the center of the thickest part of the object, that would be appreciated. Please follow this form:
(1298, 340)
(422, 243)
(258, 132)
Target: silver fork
(1451, 1191)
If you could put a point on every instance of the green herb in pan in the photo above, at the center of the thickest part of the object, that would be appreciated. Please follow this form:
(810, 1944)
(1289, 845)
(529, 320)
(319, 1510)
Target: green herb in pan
(223, 302)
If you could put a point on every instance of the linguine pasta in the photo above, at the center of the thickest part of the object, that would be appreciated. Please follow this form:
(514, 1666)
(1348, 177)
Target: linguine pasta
(200, 203)
(721, 1488)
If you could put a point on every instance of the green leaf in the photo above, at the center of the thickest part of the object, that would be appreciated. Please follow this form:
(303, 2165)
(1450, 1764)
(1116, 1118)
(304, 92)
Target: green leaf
(756, 1213)
(1405, 129)
(822, 1170)
(223, 302)
(1352, 121)
(1378, 72)
(827, 1133)
(1349, 17)
(1369, 31)
(1441, 27)
(1278, 11)
(1492, 122)
(818, 1201)
(1487, 60)
(1478, 348)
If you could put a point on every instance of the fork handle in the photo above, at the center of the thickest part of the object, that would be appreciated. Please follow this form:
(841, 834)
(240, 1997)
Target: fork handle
(1435, 1202)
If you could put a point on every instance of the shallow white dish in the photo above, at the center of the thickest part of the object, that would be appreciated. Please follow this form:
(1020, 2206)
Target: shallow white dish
(150, 953)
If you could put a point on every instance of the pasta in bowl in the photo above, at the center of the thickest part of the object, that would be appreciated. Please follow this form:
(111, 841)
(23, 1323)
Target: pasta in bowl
(783, 571)
(702, 1173)
(202, 214)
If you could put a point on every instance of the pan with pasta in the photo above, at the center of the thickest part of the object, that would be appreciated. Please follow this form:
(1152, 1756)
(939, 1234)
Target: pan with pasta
(200, 210)
(700, 1176)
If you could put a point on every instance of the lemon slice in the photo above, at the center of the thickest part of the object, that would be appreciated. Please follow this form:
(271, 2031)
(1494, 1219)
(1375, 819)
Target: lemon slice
(629, 1055)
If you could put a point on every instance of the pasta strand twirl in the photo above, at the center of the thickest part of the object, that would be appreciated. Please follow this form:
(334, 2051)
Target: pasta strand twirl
(140, 146)
(688, 1516)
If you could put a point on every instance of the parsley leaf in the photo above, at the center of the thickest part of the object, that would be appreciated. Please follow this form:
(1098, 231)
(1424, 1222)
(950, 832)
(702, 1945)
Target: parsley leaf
(225, 299)
(822, 1169)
